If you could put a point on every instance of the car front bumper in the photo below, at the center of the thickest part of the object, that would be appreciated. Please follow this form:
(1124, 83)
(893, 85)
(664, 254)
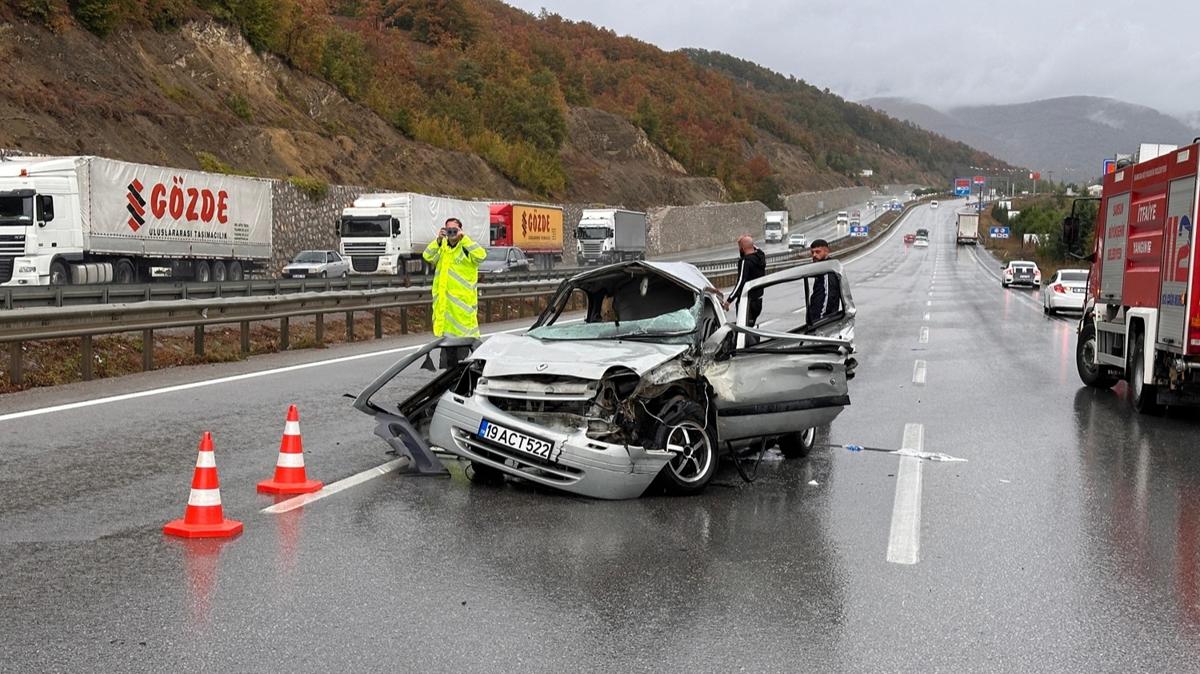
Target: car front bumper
(584, 466)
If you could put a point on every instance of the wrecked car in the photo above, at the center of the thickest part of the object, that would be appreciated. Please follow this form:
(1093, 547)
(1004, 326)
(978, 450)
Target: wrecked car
(648, 388)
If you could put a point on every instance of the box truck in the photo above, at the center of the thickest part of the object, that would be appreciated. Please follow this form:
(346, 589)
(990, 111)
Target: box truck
(535, 229)
(775, 226)
(607, 235)
(89, 220)
(968, 227)
(386, 233)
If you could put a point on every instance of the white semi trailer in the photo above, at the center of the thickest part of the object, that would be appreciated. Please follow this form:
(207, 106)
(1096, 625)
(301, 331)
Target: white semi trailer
(82, 220)
(386, 233)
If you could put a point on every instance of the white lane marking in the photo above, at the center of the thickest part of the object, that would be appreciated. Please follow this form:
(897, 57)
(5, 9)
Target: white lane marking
(331, 489)
(929, 303)
(904, 539)
(926, 316)
(224, 380)
(919, 372)
(924, 335)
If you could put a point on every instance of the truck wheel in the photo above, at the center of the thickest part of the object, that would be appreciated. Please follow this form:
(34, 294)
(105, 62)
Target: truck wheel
(1091, 372)
(219, 271)
(1144, 397)
(683, 429)
(58, 274)
(235, 271)
(123, 272)
(201, 271)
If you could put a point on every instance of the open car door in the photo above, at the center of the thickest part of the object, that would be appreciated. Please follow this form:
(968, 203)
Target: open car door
(783, 375)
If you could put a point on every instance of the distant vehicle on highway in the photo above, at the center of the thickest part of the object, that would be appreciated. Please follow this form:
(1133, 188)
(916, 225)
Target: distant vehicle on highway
(933, 204)
(1065, 291)
(318, 264)
(910, 237)
(607, 235)
(775, 226)
(1021, 273)
(922, 233)
(501, 259)
(386, 233)
(856, 214)
(797, 240)
(843, 218)
(921, 242)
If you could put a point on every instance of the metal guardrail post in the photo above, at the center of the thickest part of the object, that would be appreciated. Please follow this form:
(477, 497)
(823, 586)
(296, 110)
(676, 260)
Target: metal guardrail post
(284, 337)
(349, 326)
(320, 329)
(86, 360)
(245, 330)
(198, 341)
(147, 350)
(16, 364)
(404, 320)
(378, 324)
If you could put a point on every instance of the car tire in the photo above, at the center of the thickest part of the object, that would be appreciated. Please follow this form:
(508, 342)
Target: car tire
(798, 445)
(1090, 371)
(479, 473)
(1143, 397)
(682, 426)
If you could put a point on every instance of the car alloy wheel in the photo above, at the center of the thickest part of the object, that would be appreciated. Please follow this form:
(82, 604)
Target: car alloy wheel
(693, 452)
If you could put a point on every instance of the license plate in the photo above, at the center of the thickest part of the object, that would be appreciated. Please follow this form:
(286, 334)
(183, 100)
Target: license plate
(1080, 290)
(500, 435)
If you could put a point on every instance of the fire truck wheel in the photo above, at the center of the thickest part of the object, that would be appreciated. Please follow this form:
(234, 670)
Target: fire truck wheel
(1090, 371)
(1143, 396)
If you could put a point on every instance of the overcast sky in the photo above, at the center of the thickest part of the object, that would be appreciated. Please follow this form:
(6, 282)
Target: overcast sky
(940, 53)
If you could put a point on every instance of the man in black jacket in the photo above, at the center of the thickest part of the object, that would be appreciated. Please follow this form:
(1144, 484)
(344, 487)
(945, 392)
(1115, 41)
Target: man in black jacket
(826, 298)
(751, 265)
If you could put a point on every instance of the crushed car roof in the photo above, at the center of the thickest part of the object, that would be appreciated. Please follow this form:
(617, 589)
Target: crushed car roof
(682, 272)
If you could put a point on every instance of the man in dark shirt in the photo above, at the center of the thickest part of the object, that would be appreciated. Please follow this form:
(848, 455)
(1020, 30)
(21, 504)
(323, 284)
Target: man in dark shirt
(751, 265)
(826, 298)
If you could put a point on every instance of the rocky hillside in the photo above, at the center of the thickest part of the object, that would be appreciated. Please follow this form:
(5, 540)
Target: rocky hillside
(467, 97)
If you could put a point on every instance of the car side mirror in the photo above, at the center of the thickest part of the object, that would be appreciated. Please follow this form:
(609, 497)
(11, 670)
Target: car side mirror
(720, 343)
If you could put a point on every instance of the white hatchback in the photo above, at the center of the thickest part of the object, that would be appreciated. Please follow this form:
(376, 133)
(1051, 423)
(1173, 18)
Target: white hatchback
(1065, 291)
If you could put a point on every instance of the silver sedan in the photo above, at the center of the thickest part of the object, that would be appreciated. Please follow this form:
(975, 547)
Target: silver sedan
(318, 264)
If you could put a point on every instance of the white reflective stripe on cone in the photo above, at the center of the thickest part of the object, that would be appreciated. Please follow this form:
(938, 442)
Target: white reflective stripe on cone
(291, 428)
(206, 460)
(204, 497)
(289, 460)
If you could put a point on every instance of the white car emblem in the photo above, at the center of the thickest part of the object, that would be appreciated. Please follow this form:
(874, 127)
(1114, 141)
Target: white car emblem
(542, 366)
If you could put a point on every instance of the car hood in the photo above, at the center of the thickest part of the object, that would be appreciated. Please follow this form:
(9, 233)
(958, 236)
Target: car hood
(491, 265)
(513, 355)
(301, 266)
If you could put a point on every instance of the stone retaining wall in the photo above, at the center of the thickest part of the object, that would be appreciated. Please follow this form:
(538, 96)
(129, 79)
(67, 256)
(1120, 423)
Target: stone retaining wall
(303, 222)
(675, 229)
(805, 205)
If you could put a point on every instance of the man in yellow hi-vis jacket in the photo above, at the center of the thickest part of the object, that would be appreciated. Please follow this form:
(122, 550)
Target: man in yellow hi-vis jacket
(456, 259)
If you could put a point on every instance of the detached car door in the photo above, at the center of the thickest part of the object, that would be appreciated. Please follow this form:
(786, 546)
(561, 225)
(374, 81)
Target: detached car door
(783, 375)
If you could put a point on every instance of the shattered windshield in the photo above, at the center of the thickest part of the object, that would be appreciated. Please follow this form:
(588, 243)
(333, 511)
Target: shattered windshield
(625, 304)
(675, 323)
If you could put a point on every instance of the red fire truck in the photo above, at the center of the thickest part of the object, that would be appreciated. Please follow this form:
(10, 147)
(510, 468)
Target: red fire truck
(1141, 322)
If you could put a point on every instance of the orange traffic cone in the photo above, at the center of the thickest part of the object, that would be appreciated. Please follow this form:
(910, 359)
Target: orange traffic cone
(289, 467)
(204, 517)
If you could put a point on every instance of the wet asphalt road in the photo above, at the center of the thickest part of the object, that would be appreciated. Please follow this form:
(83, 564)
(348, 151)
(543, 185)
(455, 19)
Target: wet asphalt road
(1068, 540)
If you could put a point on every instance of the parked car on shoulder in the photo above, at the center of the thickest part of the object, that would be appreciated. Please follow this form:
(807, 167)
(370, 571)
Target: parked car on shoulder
(1065, 291)
(319, 264)
(501, 259)
(1021, 273)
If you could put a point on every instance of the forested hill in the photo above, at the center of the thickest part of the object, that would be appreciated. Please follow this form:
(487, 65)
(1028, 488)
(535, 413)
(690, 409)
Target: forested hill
(464, 96)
